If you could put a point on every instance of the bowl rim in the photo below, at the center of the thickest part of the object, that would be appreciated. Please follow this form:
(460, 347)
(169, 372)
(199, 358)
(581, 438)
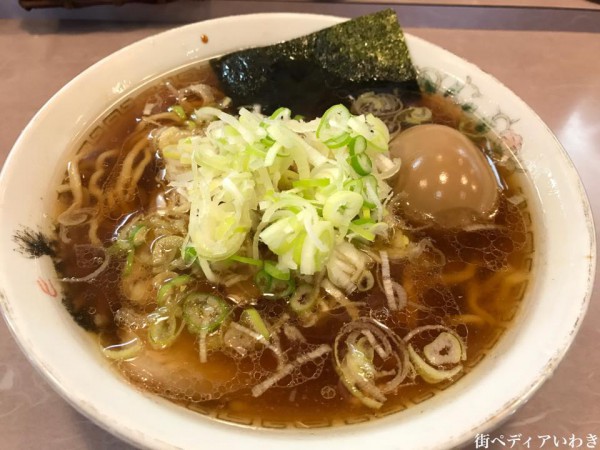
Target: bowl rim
(133, 436)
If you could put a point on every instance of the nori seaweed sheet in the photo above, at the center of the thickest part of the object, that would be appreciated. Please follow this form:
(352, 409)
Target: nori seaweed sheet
(310, 73)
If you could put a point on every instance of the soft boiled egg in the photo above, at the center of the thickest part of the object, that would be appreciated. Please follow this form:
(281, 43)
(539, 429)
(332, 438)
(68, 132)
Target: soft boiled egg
(444, 177)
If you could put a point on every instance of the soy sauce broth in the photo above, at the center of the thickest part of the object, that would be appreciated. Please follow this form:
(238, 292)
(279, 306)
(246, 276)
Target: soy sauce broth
(475, 280)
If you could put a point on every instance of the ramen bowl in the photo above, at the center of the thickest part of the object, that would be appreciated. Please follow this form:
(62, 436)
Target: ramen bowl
(524, 355)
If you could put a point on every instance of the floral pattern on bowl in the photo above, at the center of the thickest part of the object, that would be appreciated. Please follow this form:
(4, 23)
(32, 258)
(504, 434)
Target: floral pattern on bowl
(468, 95)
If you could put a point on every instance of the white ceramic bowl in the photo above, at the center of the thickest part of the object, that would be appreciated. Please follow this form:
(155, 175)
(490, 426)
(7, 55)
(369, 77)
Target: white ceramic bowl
(523, 358)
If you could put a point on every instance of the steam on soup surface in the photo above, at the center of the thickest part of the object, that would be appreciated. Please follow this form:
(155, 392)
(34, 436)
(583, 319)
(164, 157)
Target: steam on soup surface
(279, 269)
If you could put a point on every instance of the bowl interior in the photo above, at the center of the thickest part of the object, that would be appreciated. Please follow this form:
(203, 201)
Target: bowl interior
(525, 355)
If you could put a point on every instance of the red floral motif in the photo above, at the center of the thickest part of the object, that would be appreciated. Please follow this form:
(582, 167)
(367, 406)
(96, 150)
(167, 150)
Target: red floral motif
(512, 140)
(47, 287)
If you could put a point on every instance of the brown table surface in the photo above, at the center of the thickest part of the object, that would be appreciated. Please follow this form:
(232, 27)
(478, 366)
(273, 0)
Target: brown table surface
(549, 58)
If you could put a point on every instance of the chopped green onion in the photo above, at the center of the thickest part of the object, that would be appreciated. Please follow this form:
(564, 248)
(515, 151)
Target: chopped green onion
(129, 263)
(252, 318)
(362, 232)
(338, 141)
(309, 183)
(333, 123)
(263, 280)
(272, 287)
(429, 373)
(272, 269)
(137, 235)
(379, 134)
(363, 221)
(165, 249)
(361, 164)
(162, 331)
(357, 146)
(416, 115)
(131, 236)
(354, 186)
(166, 288)
(303, 300)
(119, 247)
(190, 124)
(267, 141)
(281, 113)
(341, 207)
(282, 288)
(246, 260)
(447, 348)
(204, 312)
(189, 255)
(370, 191)
(271, 180)
(177, 109)
(123, 351)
